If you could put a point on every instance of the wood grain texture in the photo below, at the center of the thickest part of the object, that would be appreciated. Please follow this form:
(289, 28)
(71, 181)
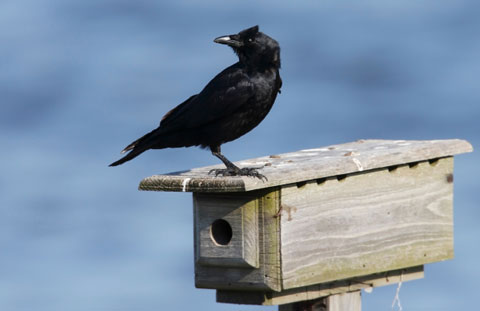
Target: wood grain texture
(347, 301)
(309, 164)
(320, 290)
(228, 270)
(365, 223)
(351, 301)
(241, 213)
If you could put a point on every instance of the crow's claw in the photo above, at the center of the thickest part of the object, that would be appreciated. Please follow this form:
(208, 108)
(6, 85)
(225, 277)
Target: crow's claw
(235, 171)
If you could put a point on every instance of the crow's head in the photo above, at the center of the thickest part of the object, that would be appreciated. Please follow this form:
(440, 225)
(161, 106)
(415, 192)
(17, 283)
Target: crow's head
(253, 47)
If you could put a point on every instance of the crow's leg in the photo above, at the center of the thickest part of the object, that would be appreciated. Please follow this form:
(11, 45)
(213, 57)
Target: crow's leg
(232, 169)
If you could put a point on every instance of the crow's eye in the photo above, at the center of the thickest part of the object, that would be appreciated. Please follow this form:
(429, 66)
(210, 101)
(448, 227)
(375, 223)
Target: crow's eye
(250, 40)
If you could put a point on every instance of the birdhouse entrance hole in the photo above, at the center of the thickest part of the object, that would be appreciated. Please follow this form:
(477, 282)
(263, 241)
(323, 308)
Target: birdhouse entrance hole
(221, 232)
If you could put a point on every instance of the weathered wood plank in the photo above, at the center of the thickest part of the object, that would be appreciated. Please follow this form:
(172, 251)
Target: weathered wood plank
(309, 164)
(351, 301)
(235, 242)
(320, 290)
(346, 301)
(231, 266)
(359, 224)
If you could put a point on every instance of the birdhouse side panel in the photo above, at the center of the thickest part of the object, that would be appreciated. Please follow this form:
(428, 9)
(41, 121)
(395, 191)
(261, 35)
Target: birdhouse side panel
(369, 222)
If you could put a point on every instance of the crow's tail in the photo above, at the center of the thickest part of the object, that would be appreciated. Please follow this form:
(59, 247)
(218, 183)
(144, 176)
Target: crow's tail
(132, 154)
(139, 146)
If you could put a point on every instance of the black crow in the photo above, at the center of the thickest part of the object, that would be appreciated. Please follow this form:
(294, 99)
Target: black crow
(231, 105)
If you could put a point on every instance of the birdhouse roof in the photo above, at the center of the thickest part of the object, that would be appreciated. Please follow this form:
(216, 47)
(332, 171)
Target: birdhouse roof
(309, 164)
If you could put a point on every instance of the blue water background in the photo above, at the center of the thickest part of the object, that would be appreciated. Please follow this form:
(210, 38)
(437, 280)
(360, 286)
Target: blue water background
(81, 79)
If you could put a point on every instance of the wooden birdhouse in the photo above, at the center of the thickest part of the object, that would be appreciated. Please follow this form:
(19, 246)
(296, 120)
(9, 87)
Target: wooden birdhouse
(327, 221)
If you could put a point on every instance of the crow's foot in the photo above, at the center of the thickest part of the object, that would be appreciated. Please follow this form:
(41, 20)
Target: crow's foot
(235, 171)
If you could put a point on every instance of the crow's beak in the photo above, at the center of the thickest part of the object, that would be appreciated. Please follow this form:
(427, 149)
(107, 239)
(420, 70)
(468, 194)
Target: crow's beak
(231, 40)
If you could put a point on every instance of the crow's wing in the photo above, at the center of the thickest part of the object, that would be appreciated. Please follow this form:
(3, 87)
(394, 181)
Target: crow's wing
(227, 92)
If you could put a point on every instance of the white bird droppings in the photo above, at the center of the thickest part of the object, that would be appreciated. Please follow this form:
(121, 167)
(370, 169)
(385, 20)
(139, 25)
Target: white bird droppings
(358, 164)
(184, 184)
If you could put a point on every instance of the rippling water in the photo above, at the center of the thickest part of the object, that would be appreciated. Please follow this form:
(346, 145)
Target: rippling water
(79, 80)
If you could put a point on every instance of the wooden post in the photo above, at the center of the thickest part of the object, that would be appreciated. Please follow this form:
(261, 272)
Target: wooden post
(351, 301)
(328, 222)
